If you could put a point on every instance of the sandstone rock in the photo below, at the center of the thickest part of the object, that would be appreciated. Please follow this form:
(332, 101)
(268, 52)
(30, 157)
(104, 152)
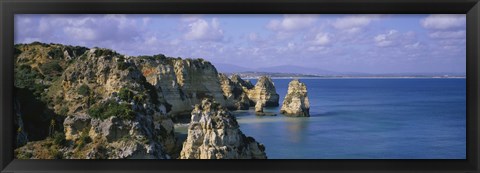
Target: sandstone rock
(235, 96)
(296, 101)
(183, 83)
(214, 134)
(247, 85)
(74, 125)
(264, 92)
(259, 107)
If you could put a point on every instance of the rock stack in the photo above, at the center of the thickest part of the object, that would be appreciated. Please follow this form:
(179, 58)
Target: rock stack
(234, 93)
(214, 134)
(264, 92)
(296, 101)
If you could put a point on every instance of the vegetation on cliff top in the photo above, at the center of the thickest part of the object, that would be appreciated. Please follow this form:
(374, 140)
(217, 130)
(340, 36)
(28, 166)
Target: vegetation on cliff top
(111, 108)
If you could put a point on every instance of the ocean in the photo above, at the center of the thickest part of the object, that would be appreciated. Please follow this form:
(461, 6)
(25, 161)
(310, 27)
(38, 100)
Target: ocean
(413, 118)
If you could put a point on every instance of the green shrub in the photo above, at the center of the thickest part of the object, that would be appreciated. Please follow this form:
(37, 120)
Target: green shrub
(56, 53)
(125, 94)
(83, 139)
(63, 111)
(122, 65)
(51, 68)
(111, 108)
(159, 57)
(83, 57)
(59, 139)
(25, 76)
(105, 52)
(84, 90)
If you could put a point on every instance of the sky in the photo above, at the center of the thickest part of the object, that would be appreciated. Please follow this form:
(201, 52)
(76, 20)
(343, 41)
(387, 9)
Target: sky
(368, 43)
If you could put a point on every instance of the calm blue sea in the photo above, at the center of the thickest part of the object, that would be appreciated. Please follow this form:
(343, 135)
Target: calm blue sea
(367, 119)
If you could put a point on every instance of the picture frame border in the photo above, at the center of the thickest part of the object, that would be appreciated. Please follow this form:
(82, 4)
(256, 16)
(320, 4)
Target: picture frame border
(8, 9)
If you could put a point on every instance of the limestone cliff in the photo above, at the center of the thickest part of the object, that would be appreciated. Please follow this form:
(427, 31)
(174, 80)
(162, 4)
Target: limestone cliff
(296, 101)
(235, 96)
(246, 85)
(214, 134)
(101, 105)
(96, 103)
(183, 83)
(264, 92)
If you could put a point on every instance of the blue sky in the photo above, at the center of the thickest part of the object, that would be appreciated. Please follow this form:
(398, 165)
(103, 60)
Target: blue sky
(342, 43)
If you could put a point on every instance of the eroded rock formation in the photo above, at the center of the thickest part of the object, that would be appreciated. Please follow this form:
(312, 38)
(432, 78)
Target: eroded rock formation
(234, 93)
(182, 82)
(214, 134)
(296, 101)
(264, 92)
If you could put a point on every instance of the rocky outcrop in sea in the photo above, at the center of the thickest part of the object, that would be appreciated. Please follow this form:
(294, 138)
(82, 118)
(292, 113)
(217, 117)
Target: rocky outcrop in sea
(296, 101)
(234, 93)
(264, 92)
(214, 133)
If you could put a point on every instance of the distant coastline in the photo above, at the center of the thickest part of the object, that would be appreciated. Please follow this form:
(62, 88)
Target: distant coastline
(406, 77)
(255, 75)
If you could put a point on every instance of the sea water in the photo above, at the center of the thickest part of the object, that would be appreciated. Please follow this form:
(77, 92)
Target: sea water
(367, 119)
(407, 118)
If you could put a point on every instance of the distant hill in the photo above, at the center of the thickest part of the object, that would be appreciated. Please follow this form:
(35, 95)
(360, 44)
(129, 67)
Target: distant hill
(229, 68)
(298, 71)
(295, 69)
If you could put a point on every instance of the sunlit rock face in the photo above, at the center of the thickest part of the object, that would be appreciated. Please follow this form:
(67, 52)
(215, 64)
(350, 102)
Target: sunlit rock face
(235, 96)
(296, 101)
(264, 92)
(182, 82)
(214, 134)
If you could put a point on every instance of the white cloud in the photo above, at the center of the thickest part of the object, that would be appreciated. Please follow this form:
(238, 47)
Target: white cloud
(81, 33)
(321, 39)
(444, 21)
(354, 23)
(448, 34)
(292, 22)
(387, 39)
(413, 46)
(202, 30)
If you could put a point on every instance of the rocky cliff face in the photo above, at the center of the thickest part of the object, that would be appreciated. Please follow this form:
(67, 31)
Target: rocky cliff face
(246, 85)
(264, 92)
(234, 93)
(214, 134)
(102, 105)
(296, 101)
(96, 103)
(183, 83)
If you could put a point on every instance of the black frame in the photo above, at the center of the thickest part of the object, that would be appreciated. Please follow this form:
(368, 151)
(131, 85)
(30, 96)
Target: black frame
(10, 7)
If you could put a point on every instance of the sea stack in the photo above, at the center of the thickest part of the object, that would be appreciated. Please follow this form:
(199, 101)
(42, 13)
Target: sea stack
(296, 101)
(264, 92)
(259, 107)
(214, 133)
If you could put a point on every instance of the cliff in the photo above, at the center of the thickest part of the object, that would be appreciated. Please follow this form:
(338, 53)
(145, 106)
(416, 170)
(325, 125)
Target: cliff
(96, 103)
(182, 82)
(234, 93)
(214, 133)
(88, 96)
(296, 101)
